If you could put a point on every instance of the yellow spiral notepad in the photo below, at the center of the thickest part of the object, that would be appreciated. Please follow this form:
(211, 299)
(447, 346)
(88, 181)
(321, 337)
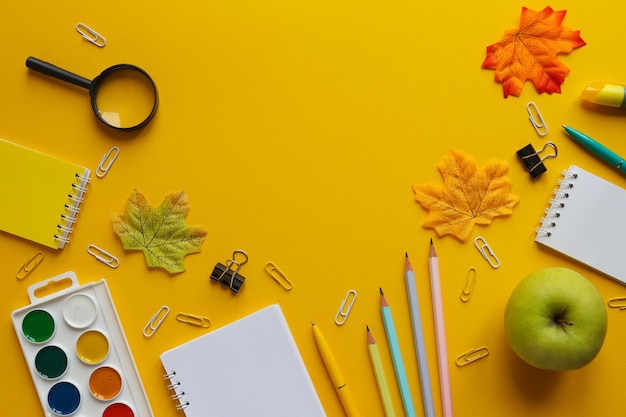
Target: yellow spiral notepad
(41, 194)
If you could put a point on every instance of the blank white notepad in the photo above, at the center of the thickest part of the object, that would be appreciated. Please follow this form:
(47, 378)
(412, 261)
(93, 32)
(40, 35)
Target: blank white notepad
(249, 368)
(585, 221)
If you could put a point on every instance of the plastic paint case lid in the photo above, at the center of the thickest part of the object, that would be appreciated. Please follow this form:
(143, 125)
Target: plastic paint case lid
(80, 311)
(105, 383)
(64, 398)
(38, 326)
(118, 410)
(51, 362)
(92, 347)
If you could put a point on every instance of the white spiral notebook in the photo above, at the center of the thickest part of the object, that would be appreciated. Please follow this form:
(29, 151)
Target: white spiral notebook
(249, 368)
(586, 220)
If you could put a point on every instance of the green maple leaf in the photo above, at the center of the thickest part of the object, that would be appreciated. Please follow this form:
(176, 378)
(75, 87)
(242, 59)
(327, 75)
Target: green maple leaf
(161, 232)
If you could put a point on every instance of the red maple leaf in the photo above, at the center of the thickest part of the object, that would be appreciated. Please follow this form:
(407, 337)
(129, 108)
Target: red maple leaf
(530, 52)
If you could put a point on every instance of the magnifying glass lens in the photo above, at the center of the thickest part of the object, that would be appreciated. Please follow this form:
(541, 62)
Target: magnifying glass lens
(125, 98)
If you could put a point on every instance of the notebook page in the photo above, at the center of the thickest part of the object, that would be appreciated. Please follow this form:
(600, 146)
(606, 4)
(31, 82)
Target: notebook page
(590, 227)
(249, 368)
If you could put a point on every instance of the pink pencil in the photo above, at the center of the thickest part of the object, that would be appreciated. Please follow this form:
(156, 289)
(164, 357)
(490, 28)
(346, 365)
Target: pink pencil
(440, 332)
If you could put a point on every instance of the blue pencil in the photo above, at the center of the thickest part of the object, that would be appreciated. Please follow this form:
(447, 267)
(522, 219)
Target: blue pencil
(418, 337)
(396, 356)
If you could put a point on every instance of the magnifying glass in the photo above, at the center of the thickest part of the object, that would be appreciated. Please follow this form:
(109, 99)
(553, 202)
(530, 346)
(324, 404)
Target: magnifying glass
(123, 96)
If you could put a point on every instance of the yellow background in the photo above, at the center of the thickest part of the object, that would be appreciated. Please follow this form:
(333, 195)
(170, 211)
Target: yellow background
(297, 129)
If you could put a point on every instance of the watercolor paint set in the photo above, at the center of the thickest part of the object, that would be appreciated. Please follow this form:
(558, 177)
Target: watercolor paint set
(76, 351)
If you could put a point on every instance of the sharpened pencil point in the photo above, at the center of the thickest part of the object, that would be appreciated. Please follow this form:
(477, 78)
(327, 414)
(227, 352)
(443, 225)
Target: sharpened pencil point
(433, 253)
(381, 291)
(407, 265)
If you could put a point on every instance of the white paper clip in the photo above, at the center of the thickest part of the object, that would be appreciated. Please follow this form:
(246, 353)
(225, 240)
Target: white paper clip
(344, 309)
(156, 321)
(106, 161)
(91, 35)
(103, 256)
(537, 119)
(486, 252)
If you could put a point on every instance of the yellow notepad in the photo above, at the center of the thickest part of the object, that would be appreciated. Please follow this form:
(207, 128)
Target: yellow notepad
(41, 194)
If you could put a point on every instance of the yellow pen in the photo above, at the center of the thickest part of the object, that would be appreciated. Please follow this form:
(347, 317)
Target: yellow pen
(335, 374)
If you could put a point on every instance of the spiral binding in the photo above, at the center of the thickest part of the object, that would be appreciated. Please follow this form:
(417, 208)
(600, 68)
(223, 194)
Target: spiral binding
(177, 396)
(561, 194)
(71, 209)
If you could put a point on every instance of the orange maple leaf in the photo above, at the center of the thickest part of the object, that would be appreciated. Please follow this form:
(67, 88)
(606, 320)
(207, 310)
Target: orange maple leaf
(467, 197)
(530, 52)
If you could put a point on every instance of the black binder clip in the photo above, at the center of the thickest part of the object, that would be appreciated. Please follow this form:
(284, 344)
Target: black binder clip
(228, 275)
(531, 161)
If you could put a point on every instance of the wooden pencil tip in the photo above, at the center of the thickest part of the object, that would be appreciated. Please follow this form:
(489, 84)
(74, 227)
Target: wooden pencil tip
(406, 254)
(432, 253)
(367, 327)
(381, 291)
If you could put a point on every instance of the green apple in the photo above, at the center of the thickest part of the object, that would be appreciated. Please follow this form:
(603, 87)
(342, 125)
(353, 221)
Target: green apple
(555, 319)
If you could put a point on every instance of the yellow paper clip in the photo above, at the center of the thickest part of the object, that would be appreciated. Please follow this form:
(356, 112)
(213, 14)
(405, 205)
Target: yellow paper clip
(470, 283)
(278, 276)
(619, 302)
(345, 308)
(536, 119)
(29, 265)
(193, 319)
(91, 35)
(156, 321)
(486, 252)
(106, 161)
(103, 256)
(471, 356)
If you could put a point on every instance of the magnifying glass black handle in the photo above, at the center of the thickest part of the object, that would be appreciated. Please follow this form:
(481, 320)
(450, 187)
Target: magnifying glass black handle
(56, 72)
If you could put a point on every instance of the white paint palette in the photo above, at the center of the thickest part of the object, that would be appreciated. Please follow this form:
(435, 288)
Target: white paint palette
(76, 351)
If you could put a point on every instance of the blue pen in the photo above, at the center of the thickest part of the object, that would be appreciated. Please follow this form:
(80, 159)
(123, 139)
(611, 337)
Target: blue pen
(396, 356)
(597, 148)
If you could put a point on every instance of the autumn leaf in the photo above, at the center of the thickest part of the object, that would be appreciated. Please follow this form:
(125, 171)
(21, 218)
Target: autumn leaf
(161, 232)
(467, 197)
(530, 52)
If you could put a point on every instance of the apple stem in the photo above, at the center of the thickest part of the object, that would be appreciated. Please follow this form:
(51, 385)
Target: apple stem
(564, 322)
